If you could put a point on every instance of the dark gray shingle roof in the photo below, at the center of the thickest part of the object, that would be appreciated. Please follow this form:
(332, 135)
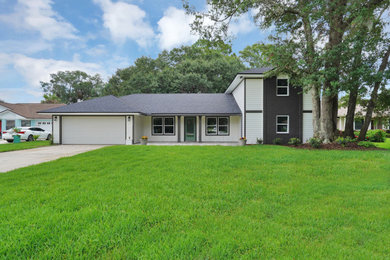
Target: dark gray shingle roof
(107, 104)
(183, 103)
(257, 70)
(151, 104)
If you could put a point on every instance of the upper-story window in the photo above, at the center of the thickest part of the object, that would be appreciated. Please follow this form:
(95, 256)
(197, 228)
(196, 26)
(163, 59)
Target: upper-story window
(282, 88)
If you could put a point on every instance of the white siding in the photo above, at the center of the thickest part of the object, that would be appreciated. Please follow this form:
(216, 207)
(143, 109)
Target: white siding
(307, 104)
(254, 127)
(93, 130)
(307, 127)
(254, 94)
(234, 133)
(138, 126)
(238, 95)
(56, 130)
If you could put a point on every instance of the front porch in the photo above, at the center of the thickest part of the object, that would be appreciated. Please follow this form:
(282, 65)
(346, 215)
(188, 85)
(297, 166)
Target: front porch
(185, 129)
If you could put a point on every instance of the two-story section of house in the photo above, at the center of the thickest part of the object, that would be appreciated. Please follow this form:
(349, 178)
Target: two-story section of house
(271, 108)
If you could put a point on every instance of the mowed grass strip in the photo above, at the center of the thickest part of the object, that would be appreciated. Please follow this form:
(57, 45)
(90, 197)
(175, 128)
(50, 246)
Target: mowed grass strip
(385, 145)
(22, 146)
(199, 202)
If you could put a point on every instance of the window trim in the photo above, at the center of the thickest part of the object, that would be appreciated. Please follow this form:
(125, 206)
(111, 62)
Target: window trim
(217, 125)
(163, 126)
(288, 88)
(288, 124)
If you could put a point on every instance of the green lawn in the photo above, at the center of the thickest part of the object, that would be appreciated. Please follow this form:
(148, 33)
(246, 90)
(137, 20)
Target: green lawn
(385, 145)
(22, 146)
(183, 202)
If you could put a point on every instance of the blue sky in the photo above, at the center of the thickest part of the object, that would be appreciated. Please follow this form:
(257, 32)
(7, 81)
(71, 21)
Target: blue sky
(39, 37)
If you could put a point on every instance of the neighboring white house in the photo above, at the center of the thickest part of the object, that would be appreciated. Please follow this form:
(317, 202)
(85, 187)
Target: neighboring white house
(379, 121)
(25, 114)
(252, 106)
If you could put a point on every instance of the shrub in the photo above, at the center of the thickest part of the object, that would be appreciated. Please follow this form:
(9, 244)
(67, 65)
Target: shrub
(294, 141)
(315, 142)
(259, 141)
(366, 144)
(36, 137)
(277, 141)
(376, 135)
(344, 141)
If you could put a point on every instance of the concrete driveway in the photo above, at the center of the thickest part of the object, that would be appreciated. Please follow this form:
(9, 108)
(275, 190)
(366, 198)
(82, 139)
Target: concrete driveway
(18, 159)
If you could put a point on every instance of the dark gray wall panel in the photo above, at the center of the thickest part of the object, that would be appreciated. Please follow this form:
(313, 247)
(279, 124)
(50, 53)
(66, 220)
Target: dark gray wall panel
(276, 105)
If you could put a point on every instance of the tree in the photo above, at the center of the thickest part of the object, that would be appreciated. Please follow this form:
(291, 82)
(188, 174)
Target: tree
(309, 42)
(383, 73)
(72, 86)
(203, 67)
(50, 99)
(254, 56)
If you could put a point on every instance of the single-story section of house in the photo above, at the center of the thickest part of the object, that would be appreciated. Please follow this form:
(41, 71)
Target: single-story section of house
(24, 115)
(254, 107)
(379, 121)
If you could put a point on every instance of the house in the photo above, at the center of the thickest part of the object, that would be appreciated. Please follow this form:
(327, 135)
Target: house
(379, 120)
(252, 106)
(24, 114)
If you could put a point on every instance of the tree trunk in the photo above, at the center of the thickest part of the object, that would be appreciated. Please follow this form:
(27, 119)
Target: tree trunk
(374, 96)
(335, 110)
(316, 110)
(327, 118)
(350, 118)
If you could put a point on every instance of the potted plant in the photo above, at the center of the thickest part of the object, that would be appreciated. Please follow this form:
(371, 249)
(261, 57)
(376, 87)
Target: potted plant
(144, 140)
(242, 141)
(16, 135)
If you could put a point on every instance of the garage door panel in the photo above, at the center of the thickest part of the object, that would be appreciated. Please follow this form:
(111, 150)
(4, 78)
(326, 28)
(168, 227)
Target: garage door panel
(93, 130)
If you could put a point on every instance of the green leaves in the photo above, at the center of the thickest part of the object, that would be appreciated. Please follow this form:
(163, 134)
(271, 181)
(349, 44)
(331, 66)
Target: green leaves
(206, 67)
(71, 86)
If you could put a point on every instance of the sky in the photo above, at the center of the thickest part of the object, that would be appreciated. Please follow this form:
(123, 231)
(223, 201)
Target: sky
(40, 37)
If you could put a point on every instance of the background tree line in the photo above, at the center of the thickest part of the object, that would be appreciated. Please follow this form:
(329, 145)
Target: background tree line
(328, 47)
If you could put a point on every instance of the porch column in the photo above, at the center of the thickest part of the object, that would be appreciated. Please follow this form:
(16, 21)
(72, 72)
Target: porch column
(199, 129)
(178, 129)
(129, 130)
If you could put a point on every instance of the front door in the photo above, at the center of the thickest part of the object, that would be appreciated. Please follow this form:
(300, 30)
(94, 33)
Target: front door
(190, 129)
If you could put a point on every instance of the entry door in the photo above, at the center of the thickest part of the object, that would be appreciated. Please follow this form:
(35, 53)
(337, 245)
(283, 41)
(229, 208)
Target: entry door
(190, 129)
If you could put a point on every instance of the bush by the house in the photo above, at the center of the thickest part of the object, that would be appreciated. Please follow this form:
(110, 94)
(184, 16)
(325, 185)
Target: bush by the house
(259, 141)
(378, 135)
(366, 144)
(294, 141)
(344, 141)
(277, 141)
(315, 142)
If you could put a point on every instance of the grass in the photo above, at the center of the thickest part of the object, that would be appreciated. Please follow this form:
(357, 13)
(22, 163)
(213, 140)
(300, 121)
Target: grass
(186, 202)
(385, 145)
(22, 146)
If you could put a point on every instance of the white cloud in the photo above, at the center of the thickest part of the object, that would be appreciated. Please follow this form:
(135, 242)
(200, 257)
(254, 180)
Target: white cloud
(241, 25)
(175, 29)
(38, 15)
(35, 70)
(126, 21)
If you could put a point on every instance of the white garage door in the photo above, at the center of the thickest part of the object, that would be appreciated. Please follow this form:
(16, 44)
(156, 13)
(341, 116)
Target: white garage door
(93, 130)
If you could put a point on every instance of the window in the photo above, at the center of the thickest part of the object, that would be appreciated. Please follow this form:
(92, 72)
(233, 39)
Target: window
(282, 87)
(217, 125)
(26, 123)
(282, 124)
(10, 124)
(359, 124)
(163, 125)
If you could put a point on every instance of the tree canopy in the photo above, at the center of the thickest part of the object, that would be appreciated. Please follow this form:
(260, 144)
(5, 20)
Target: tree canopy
(200, 68)
(71, 86)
